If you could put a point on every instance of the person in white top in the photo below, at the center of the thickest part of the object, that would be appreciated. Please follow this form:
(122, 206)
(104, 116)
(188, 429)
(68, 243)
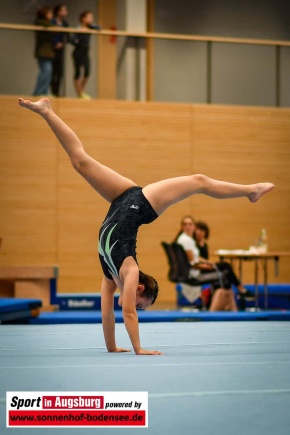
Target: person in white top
(186, 240)
(190, 229)
(222, 300)
(189, 245)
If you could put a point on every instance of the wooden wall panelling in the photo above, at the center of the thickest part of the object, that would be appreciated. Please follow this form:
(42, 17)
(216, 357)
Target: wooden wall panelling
(244, 145)
(141, 145)
(27, 186)
(50, 215)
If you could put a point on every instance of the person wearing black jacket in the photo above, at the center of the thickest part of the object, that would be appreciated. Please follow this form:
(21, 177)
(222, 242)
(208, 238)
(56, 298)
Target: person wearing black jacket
(81, 59)
(60, 13)
(201, 235)
(44, 51)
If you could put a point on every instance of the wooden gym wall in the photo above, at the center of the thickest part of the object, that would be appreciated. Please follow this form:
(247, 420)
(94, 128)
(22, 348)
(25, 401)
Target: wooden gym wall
(48, 214)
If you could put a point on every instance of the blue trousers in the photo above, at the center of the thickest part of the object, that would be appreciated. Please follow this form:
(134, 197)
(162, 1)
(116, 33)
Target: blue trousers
(44, 76)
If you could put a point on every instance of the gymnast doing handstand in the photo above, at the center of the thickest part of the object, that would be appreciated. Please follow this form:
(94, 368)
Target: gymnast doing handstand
(130, 207)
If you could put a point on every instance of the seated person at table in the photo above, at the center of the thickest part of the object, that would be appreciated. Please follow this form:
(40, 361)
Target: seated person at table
(201, 235)
(223, 299)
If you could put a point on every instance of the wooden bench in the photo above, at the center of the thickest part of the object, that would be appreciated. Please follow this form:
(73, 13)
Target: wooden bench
(34, 282)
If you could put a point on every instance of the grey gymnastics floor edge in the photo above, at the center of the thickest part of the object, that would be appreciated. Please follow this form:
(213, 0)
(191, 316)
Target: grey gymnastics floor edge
(214, 377)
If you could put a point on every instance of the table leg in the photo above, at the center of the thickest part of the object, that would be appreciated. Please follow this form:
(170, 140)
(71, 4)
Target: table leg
(265, 284)
(276, 259)
(241, 269)
(256, 284)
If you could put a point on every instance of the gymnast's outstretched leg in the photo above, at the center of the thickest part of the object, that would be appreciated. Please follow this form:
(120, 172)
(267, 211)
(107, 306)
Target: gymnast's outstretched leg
(163, 194)
(108, 183)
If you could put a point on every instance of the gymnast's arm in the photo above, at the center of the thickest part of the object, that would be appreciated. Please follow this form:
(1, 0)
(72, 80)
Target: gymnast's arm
(130, 277)
(108, 318)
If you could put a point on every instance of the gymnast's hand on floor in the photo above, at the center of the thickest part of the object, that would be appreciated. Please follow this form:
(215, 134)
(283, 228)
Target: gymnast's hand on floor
(148, 352)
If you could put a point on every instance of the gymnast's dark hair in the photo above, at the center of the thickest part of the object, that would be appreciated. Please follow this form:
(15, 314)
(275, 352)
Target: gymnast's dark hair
(151, 286)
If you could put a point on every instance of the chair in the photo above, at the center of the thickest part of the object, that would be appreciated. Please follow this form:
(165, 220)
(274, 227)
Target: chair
(190, 288)
(178, 271)
(179, 268)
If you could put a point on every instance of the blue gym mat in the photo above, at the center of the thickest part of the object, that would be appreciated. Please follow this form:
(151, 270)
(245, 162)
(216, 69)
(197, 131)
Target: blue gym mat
(220, 378)
(278, 298)
(14, 309)
(61, 317)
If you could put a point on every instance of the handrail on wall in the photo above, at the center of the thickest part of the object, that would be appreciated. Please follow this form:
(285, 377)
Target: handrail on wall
(150, 35)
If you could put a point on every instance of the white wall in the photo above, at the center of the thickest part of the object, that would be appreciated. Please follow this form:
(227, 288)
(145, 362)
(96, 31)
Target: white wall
(240, 74)
(232, 18)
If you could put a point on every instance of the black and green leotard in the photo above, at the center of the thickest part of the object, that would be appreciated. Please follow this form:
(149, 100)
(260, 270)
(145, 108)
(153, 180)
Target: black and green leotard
(118, 233)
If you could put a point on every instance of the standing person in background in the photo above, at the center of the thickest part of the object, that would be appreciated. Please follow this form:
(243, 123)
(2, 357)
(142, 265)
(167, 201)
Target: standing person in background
(44, 51)
(81, 41)
(60, 12)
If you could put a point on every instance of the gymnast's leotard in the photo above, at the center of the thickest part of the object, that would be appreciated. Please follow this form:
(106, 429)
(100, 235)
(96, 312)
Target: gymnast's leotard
(118, 233)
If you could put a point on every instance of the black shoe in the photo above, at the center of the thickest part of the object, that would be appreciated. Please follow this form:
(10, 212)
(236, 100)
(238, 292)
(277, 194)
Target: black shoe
(242, 304)
(247, 295)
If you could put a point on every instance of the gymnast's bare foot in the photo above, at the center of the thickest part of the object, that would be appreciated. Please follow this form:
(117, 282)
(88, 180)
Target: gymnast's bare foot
(259, 190)
(41, 106)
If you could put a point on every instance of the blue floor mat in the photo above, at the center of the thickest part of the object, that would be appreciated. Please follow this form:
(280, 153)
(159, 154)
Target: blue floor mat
(62, 317)
(214, 378)
(12, 304)
(14, 308)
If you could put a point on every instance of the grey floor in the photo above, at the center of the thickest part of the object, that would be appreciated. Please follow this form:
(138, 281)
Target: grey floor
(214, 378)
